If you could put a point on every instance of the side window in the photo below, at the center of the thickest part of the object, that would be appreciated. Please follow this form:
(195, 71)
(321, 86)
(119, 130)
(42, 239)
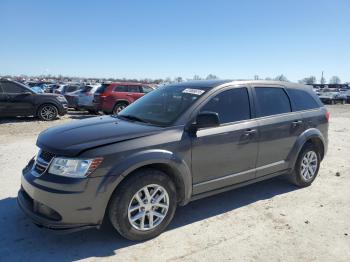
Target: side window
(301, 100)
(231, 105)
(120, 89)
(146, 89)
(71, 89)
(134, 89)
(272, 101)
(12, 88)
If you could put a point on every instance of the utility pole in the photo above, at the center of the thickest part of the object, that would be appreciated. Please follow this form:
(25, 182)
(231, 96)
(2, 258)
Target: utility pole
(322, 81)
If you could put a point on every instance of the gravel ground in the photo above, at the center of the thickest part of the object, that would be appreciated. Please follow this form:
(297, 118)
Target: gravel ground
(268, 221)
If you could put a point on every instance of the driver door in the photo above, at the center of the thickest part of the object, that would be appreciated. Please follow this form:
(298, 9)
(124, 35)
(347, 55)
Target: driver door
(19, 99)
(226, 154)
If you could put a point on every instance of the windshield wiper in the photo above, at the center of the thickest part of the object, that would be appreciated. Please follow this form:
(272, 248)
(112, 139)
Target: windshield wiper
(133, 118)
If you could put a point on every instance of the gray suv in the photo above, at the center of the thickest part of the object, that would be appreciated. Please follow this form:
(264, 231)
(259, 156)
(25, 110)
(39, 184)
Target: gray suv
(176, 144)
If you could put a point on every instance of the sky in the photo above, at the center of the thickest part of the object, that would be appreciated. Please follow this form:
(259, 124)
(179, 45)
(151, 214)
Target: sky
(158, 39)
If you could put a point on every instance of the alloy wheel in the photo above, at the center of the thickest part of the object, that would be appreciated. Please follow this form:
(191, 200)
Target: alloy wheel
(48, 112)
(309, 165)
(148, 207)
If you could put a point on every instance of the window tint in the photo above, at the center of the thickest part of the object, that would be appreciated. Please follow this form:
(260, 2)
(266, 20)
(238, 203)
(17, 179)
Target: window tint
(231, 105)
(72, 88)
(301, 100)
(102, 88)
(12, 88)
(134, 89)
(272, 101)
(146, 89)
(120, 89)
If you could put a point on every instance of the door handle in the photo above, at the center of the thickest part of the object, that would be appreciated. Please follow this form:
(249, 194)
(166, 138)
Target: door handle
(250, 132)
(297, 123)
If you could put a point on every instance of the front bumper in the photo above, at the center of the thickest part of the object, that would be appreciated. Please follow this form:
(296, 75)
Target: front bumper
(63, 109)
(62, 204)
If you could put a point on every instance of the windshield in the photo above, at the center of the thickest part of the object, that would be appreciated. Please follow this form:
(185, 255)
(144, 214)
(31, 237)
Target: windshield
(162, 106)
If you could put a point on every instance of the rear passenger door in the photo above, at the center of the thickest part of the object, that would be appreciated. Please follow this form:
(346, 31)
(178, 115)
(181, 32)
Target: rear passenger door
(279, 128)
(134, 92)
(225, 155)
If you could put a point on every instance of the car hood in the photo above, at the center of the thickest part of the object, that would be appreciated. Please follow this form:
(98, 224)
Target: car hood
(73, 138)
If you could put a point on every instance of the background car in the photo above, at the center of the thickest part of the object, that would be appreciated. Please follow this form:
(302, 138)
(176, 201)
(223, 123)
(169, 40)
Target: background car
(52, 87)
(85, 98)
(67, 89)
(17, 99)
(332, 98)
(114, 97)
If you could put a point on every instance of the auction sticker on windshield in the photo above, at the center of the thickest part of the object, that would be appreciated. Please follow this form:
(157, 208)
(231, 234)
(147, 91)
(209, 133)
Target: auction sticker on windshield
(193, 91)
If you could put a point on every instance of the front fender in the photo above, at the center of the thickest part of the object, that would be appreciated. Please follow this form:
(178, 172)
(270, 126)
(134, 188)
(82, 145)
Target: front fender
(301, 140)
(179, 168)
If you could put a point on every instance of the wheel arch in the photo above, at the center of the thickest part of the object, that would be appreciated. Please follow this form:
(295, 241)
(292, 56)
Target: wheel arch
(311, 136)
(162, 160)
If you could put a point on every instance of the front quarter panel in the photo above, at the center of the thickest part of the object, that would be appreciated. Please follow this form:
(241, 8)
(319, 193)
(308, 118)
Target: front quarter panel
(170, 147)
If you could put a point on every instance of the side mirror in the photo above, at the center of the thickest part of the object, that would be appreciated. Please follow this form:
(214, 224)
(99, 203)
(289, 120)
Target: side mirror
(207, 119)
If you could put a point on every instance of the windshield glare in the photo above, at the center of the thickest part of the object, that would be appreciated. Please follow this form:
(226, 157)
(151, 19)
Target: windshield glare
(164, 105)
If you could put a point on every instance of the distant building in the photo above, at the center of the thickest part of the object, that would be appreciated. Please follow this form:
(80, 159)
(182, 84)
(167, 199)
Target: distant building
(331, 86)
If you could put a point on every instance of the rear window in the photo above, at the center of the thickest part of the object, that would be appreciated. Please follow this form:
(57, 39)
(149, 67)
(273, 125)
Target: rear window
(72, 88)
(301, 100)
(102, 88)
(86, 89)
(272, 101)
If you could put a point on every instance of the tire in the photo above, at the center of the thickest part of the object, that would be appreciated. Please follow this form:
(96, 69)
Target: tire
(119, 107)
(124, 198)
(47, 112)
(310, 152)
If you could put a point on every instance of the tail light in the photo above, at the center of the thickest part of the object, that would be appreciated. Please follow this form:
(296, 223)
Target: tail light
(103, 95)
(327, 116)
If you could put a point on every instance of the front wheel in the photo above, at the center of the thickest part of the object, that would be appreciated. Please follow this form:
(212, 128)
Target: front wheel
(47, 112)
(306, 167)
(144, 205)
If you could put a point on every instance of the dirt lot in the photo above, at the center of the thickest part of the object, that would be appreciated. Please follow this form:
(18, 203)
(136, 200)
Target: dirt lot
(271, 220)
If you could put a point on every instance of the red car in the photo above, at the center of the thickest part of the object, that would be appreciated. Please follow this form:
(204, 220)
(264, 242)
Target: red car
(114, 97)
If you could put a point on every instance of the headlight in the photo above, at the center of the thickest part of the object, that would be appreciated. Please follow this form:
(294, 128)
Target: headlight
(76, 168)
(61, 99)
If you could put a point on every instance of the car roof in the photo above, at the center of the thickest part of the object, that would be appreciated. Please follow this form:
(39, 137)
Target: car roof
(125, 83)
(209, 84)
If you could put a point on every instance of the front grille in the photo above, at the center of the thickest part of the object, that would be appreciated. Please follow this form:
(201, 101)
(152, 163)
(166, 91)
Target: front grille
(42, 162)
(39, 169)
(46, 156)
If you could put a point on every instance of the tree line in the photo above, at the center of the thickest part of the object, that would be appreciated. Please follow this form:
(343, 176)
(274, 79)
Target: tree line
(307, 80)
